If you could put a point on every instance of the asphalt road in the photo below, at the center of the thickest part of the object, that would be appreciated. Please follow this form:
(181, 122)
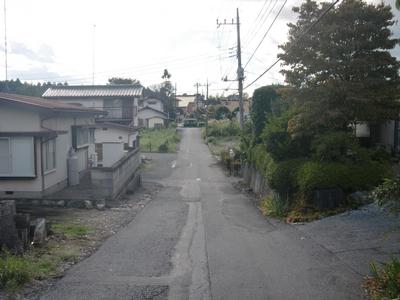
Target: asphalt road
(202, 239)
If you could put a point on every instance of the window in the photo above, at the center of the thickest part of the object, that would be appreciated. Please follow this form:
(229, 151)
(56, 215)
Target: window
(49, 149)
(17, 157)
(82, 136)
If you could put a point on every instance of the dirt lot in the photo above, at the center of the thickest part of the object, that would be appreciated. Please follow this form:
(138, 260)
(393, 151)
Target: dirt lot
(75, 234)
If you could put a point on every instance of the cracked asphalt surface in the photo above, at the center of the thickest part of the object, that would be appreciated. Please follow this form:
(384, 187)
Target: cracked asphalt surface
(202, 239)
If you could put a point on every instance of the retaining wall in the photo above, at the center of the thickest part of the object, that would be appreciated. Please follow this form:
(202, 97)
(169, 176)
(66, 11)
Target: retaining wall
(255, 180)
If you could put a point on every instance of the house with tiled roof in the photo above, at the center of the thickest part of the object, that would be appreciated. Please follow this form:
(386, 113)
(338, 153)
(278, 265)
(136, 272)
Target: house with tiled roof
(120, 100)
(37, 137)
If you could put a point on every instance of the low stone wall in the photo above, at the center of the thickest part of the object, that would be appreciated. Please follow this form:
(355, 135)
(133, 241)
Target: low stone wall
(112, 181)
(255, 180)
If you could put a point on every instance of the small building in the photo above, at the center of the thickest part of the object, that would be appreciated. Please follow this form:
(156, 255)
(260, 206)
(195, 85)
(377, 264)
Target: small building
(152, 102)
(36, 138)
(152, 118)
(119, 101)
(112, 142)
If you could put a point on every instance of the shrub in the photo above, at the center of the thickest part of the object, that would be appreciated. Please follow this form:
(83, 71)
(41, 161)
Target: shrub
(384, 283)
(274, 206)
(348, 176)
(163, 148)
(388, 195)
(282, 176)
(333, 146)
(223, 128)
(14, 271)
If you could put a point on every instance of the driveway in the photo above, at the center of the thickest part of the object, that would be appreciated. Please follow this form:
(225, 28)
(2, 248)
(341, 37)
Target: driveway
(202, 239)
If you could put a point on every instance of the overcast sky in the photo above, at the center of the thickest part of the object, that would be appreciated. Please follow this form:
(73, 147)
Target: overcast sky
(53, 40)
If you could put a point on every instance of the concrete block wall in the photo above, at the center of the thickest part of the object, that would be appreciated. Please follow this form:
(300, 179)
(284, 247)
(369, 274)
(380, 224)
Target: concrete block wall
(256, 181)
(114, 180)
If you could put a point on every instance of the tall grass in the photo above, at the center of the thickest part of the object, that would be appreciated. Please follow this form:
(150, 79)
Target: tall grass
(159, 140)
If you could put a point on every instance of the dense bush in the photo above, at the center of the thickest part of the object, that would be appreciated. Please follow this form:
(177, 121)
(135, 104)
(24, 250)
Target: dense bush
(388, 195)
(163, 148)
(223, 128)
(348, 176)
(334, 146)
(274, 206)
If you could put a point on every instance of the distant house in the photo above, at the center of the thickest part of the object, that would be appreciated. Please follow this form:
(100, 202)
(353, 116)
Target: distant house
(152, 102)
(233, 104)
(384, 135)
(150, 117)
(191, 107)
(119, 101)
(36, 138)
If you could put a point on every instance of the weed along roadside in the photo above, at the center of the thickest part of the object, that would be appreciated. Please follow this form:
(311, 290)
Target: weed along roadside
(159, 140)
(73, 235)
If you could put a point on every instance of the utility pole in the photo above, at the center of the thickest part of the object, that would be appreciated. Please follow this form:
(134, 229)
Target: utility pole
(240, 70)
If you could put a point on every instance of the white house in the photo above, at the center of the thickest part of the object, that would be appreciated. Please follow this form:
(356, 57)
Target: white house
(112, 142)
(152, 118)
(36, 138)
(152, 102)
(119, 101)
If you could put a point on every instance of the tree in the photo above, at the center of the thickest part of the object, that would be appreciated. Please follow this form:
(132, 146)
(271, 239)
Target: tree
(341, 71)
(262, 105)
(166, 75)
(120, 80)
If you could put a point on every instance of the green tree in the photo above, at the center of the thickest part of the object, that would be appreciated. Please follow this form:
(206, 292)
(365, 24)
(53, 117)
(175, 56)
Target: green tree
(120, 80)
(262, 105)
(341, 71)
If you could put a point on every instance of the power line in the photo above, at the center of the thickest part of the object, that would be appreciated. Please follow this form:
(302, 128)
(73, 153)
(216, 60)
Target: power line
(266, 33)
(264, 20)
(254, 24)
(299, 38)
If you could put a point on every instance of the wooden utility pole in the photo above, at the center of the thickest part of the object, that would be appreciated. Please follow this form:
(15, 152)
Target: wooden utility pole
(240, 70)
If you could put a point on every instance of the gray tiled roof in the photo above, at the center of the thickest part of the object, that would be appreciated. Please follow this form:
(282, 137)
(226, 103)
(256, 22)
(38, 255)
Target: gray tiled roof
(94, 91)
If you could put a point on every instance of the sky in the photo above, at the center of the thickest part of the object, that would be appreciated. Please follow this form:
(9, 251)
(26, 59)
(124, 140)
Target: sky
(59, 40)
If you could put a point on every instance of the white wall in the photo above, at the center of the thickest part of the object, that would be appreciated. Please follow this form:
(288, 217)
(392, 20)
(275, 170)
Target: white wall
(112, 152)
(146, 114)
(157, 105)
(86, 102)
(153, 121)
(12, 119)
(111, 134)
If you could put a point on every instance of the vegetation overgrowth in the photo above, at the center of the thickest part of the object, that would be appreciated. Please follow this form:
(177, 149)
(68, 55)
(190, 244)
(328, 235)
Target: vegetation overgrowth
(159, 140)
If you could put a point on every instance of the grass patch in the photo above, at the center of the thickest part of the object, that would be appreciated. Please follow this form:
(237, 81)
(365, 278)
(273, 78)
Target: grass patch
(45, 261)
(15, 271)
(70, 230)
(159, 140)
(273, 206)
(219, 144)
(385, 281)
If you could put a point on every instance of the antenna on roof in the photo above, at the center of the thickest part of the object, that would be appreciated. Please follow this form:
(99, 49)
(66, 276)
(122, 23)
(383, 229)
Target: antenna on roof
(93, 53)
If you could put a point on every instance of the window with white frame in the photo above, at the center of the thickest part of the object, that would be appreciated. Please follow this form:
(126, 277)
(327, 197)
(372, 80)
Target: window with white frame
(17, 157)
(49, 159)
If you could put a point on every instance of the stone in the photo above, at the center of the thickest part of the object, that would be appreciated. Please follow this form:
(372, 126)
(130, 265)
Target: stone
(60, 203)
(101, 204)
(88, 204)
(8, 230)
(40, 232)
(359, 197)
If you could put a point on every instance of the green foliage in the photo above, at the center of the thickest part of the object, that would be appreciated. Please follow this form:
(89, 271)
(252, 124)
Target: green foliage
(70, 230)
(334, 146)
(279, 143)
(262, 105)
(342, 70)
(274, 206)
(27, 89)
(222, 112)
(152, 139)
(223, 128)
(120, 80)
(14, 271)
(388, 195)
(361, 175)
(163, 148)
(385, 281)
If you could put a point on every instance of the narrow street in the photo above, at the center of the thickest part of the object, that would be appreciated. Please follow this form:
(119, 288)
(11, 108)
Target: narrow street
(202, 239)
